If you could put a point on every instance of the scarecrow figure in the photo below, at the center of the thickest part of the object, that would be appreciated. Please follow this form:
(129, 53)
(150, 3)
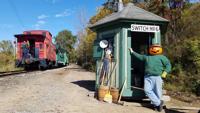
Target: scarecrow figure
(106, 61)
(26, 56)
(156, 66)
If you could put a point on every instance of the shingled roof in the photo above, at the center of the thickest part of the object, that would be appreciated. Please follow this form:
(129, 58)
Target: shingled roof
(131, 12)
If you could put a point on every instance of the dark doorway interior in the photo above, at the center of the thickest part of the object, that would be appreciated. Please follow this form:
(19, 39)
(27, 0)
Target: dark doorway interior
(32, 47)
(140, 42)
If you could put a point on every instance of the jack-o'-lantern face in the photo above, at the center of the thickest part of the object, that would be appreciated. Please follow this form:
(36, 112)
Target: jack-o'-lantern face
(155, 50)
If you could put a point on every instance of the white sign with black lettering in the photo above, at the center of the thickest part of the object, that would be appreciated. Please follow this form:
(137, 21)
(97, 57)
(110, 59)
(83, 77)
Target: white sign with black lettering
(144, 28)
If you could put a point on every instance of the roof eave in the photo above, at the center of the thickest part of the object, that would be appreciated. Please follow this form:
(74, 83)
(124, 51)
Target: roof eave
(94, 27)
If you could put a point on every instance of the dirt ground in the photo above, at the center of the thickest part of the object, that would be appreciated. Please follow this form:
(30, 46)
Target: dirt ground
(63, 90)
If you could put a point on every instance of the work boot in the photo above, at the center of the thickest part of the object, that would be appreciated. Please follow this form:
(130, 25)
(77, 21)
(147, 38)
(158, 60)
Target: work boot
(160, 107)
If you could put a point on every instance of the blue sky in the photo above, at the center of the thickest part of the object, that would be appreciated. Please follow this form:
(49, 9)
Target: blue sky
(193, 1)
(53, 15)
(17, 16)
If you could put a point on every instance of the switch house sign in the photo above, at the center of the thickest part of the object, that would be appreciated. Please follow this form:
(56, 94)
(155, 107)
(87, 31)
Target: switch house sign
(144, 28)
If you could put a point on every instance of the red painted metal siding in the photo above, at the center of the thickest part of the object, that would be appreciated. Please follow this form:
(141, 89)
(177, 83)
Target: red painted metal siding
(19, 50)
(50, 52)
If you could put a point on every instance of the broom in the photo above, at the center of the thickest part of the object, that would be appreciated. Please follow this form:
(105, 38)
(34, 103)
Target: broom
(120, 96)
(108, 96)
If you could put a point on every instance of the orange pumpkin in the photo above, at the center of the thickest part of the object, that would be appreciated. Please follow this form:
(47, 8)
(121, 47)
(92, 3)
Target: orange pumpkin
(155, 50)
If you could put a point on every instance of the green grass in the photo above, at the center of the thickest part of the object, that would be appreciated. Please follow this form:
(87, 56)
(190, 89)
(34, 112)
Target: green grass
(9, 67)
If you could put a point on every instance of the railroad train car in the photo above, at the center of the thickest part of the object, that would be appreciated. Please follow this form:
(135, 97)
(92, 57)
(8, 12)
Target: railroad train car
(61, 56)
(35, 48)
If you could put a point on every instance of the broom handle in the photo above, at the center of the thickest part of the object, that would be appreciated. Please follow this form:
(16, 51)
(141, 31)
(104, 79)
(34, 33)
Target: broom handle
(110, 76)
(102, 67)
(103, 78)
(100, 73)
(120, 96)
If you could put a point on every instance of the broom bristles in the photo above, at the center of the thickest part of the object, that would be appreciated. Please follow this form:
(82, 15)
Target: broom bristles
(108, 98)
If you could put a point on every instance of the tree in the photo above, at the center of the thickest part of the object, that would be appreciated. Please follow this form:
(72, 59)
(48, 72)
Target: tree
(66, 40)
(102, 12)
(6, 46)
(6, 55)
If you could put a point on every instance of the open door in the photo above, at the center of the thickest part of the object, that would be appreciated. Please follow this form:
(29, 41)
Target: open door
(140, 42)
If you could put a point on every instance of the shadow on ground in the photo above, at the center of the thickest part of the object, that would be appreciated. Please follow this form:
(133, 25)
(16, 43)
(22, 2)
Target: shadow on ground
(147, 104)
(180, 110)
(172, 111)
(87, 84)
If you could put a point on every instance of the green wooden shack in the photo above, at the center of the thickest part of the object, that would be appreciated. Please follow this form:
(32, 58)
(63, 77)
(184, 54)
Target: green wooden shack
(132, 27)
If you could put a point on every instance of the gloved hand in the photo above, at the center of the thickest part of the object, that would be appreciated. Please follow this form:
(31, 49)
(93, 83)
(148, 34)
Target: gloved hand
(131, 50)
(164, 74)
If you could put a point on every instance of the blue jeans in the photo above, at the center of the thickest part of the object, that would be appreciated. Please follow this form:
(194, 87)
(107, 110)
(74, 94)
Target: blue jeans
(153, 88)
(106, 65)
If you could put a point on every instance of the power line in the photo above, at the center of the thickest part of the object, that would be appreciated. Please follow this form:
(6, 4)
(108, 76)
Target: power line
(16, 14)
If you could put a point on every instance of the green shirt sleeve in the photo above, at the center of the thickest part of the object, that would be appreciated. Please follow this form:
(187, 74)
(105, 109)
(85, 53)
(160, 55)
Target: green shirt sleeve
(138, 56)
(166, 64)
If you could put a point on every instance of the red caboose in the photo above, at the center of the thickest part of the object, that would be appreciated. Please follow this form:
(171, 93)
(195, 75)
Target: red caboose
(35, 48)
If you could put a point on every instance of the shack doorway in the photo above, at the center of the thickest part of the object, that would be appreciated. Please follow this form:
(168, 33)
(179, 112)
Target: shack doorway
(140, 42)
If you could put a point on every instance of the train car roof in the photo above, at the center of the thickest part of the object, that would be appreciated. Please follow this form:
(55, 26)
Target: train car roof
(37, 31)
(23, 35)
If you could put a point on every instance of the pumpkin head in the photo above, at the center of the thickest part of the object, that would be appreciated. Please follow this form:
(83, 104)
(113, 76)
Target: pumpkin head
(155, 50)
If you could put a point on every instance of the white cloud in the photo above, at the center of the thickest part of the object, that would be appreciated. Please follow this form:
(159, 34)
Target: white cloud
(66, 12)
(43, 16)
(39, 24)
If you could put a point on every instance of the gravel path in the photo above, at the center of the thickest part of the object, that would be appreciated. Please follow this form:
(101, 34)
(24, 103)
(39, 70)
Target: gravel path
(61, 90)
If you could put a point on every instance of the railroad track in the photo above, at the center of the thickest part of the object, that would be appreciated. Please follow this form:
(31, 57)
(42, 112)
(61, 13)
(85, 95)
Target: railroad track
(12, 73)
(9, 73)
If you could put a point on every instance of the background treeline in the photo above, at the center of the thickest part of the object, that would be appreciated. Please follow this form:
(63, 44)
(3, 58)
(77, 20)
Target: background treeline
(181, 43)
